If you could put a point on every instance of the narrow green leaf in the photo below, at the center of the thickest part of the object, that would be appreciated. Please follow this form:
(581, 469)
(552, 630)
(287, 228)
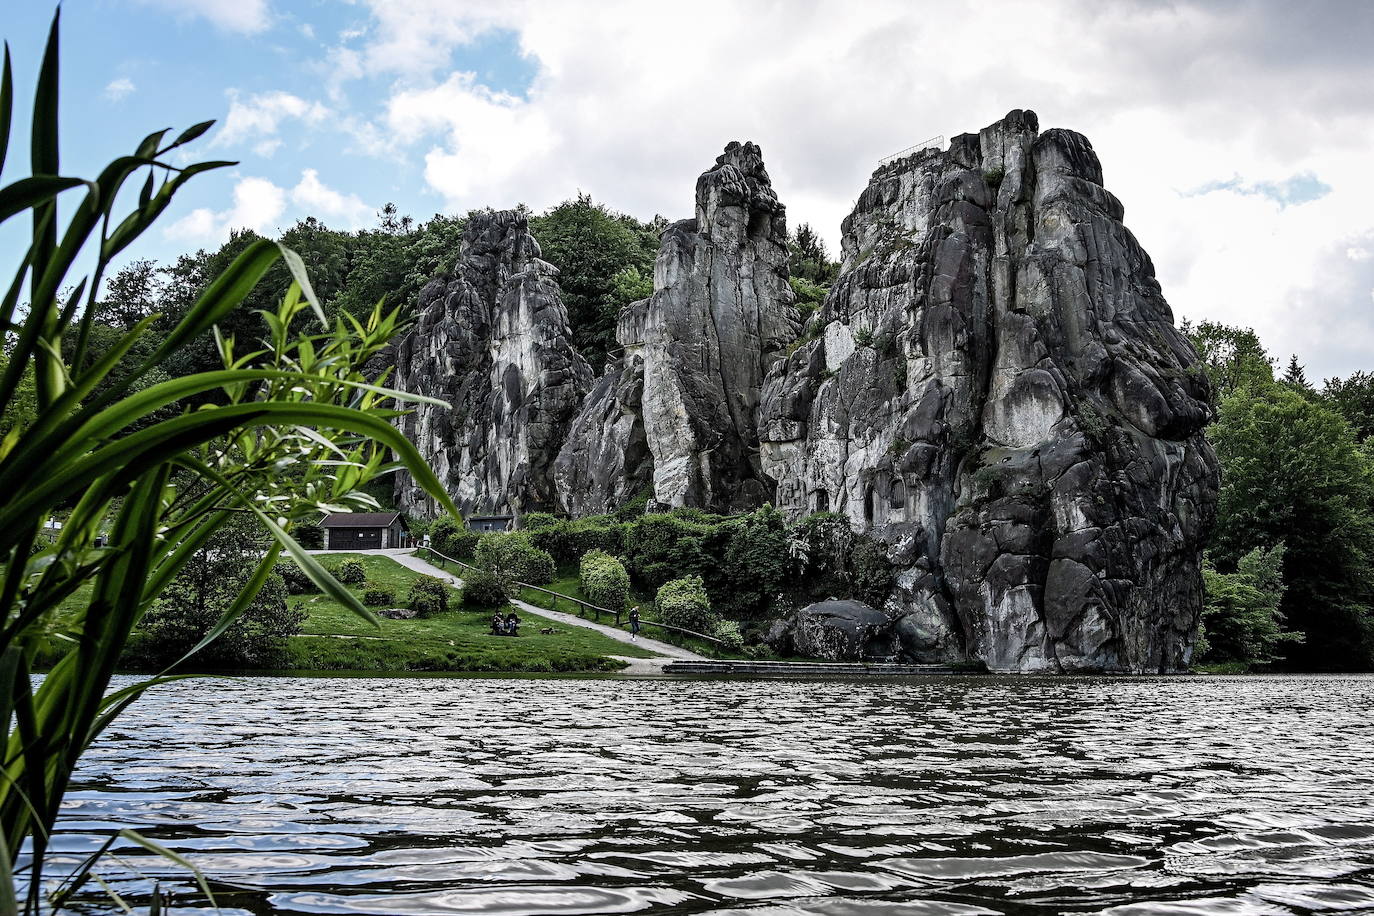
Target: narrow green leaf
(193, 132)
(27, 193)
(43, 149)
(172, 857)
(299, 274)
(6, 107)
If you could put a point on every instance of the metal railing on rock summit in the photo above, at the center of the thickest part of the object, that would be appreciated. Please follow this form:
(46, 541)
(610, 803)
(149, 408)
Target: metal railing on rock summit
(582, 607)
(932, 143)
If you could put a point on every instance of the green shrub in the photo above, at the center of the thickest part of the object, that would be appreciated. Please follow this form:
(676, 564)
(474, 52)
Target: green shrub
(727, 631)
(604, 580)
(482, 589)
(512, 557)
(684, 603)
(567, 541)
(428, 596)
(533, 521)
(379, 597)
(351, 572)
(753, 564)
(450, 536)
(661, 547)
(297, 582)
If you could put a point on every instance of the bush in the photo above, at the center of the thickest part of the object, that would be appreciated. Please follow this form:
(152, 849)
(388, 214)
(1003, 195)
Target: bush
(482, 589)
(660, 547)
(379, 597)
(604, 580)
(512, 557)
(428, 596)
(451, 537)
(297, 582)
(535, 521)
(351, 572)
(684, 603)
(727, 631)
(568, 541)
(308, 536)
(753, 567)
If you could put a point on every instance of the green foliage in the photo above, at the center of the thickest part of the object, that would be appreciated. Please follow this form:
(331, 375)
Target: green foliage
(1234, 358)
(1241, 620)
(810, 296)
(871, 574)
(532, 521)
(753, 567)
(136, 461)
(379, 597)
(483, 589)
(1293, 472)
(808, 259)
(603, 580)
(661, 547)
(351, 572)
(728, 632)
(684, 603)
(428, 596)
(511, 556)
(294, 578)
(994, 176)
(567, 541)
(1353, 398)
(451, 537)
(603, 260)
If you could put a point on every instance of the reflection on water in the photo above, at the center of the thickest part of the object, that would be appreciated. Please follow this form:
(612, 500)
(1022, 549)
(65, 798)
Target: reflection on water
(940, 795)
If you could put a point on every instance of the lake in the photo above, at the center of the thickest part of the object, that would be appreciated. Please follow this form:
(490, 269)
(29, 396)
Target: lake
(954, 795)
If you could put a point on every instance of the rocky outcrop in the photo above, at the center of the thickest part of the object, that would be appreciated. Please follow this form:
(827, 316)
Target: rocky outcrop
(676, 413)
(996, 389)
(837, 631)
(492, 340)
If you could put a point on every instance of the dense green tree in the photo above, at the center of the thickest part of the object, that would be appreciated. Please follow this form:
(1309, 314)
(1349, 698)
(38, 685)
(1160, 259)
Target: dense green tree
(198, 596)
(591, 247)
(808, 258)
(1353, 398)
(1293, 472)
(1295, 377)
(1233, 358)
(1241, 619)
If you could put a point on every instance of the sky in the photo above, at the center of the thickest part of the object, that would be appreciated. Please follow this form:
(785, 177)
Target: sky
(1237, 134)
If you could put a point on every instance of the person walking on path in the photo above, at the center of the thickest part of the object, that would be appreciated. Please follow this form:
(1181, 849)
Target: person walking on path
(634, 621)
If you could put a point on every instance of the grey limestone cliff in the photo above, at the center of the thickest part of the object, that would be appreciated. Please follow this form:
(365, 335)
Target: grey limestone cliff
(492, 340)
(676, 413)
(995, 388)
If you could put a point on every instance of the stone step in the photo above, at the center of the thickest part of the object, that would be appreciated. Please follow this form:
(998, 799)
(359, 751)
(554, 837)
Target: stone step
(802, 669)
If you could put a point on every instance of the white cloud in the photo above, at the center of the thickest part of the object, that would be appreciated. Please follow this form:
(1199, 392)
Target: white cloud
(258, 205)
(335, 209)
(1258, 105)
(117, 89)
(245, 16)
(263, 116)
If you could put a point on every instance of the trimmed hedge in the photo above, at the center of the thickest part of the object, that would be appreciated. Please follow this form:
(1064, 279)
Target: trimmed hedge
(512, 557)
(604, 580)
(567, 542)
(684, 603)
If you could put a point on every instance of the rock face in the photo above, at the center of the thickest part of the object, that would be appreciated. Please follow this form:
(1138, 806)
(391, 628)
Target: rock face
(837, 631)
(492, 340)
(995, 388)
(677, 411)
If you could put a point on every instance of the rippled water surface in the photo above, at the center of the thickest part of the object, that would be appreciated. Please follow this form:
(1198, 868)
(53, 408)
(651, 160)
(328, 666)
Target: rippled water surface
(922, 795)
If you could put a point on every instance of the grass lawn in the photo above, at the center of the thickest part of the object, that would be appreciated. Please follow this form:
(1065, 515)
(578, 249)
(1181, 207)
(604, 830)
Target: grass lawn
(333, 638)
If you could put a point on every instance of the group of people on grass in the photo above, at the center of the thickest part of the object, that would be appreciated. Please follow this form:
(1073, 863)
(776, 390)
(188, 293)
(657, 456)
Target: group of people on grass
(509, 625)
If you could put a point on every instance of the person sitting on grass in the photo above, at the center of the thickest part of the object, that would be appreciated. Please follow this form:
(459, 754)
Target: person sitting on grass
(512, 624)
(498, 624)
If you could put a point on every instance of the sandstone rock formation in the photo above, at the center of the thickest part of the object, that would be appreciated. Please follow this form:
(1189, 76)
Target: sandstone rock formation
(676, 413)
(492, 339)
(995, 388)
